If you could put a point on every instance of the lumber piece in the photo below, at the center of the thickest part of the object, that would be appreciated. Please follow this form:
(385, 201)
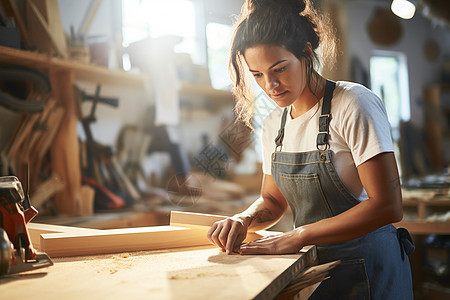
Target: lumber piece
(46, 190)
(186, 219)
(203, 222)
(136, 239)
(120, 240)
(45, 23)
(36, 229)
(313, 275)
(88, 18)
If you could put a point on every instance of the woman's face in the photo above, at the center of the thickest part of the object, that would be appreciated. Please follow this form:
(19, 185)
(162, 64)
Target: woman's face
(278, 72)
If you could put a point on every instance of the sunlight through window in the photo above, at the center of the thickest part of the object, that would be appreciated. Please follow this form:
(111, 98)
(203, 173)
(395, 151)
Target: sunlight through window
(154, 18)
(218, 37)
(389, 80)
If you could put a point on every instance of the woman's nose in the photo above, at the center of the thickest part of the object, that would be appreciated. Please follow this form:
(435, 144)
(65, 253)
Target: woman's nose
(271, 83)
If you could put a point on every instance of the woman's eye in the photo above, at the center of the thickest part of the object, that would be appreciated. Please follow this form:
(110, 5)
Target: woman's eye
(257, 75)
(279, 70)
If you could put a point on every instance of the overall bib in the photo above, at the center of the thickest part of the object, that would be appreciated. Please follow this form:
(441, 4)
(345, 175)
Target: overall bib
(373, 266)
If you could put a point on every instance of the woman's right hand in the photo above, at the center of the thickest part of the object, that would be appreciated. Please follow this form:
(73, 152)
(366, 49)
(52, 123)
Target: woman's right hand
(228, 234)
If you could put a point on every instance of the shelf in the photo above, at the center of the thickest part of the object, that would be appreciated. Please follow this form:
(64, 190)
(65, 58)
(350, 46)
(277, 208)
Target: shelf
(204, 90)
(421, 225)
(425, 227)
(424, 203)
(82, 72)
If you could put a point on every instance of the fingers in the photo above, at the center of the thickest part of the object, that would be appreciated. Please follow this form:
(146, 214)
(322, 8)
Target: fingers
(210, 233)
(235, 237)
(264, 245)
(223, 236)
(227, 234)
(285, 243)
(254, 248)
(214, 233)
(218, 234)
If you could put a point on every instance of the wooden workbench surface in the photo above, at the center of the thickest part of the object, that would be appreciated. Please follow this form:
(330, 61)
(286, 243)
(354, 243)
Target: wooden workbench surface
(186, 273)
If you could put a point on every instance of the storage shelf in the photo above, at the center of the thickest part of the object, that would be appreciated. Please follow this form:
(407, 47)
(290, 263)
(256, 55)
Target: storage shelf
(82, 71)
(421, 225)
(204, 90)
(425, 227)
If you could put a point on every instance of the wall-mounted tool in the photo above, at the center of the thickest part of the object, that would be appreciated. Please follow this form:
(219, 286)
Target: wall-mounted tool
(11, 76)
(16, 250)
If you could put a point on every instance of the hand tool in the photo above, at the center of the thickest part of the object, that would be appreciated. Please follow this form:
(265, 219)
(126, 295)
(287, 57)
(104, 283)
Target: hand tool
(16, 250)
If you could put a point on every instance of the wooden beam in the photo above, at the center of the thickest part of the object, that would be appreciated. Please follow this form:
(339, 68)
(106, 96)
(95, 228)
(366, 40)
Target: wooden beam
(65, 156)
(120, 240)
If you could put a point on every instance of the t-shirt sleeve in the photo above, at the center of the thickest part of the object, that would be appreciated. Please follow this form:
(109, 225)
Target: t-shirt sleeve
(366, 127)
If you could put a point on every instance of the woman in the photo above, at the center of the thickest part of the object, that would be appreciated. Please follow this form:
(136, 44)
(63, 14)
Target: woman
(327, 152)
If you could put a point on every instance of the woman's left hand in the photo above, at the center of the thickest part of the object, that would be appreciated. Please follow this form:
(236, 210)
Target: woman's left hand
(285, 243)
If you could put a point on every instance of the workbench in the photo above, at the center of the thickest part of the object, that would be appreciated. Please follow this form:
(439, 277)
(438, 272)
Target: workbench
(183, 273)
(159, 262)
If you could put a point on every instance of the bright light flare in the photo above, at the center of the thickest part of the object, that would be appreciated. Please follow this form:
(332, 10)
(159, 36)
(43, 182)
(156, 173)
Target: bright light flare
(403, 8)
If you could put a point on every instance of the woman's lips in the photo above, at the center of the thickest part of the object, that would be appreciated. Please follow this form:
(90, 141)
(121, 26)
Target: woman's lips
(278, 95)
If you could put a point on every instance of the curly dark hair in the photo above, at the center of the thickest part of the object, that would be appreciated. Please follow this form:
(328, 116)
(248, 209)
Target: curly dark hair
(290, 24)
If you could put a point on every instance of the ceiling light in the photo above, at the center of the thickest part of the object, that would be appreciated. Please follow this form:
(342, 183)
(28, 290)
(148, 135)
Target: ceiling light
(403, 8)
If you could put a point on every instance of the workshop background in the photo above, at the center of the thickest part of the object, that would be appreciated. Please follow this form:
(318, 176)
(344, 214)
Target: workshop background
(114, 113)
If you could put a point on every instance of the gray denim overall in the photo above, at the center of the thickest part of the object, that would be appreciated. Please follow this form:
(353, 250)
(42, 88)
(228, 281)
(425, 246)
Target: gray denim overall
(373, 266)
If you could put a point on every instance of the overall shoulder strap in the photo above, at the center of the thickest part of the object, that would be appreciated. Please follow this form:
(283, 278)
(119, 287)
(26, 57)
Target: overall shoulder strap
(325, 117)
(280, 135)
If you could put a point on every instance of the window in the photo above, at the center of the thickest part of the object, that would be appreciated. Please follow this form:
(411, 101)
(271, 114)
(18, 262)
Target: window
(154, 18)
(389, 80)
(218, 37)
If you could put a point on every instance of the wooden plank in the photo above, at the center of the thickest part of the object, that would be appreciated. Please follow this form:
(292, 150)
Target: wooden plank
(112, 220)
(45, 24)
(137, 239)
(55, 26)
(195, 273)
(120, 240)
(185, 219)
(36, 229)
(88, 18)
(203, 222)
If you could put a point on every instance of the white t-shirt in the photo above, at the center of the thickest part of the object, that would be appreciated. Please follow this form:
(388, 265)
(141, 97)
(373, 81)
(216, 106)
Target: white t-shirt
(359, 130)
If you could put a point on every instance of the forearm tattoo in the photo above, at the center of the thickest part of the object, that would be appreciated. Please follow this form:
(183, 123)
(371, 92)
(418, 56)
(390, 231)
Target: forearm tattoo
(395, 183)
(264, 215)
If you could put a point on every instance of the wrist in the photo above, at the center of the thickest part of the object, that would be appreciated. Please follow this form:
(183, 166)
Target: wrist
(304, 235)
(244, 218)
